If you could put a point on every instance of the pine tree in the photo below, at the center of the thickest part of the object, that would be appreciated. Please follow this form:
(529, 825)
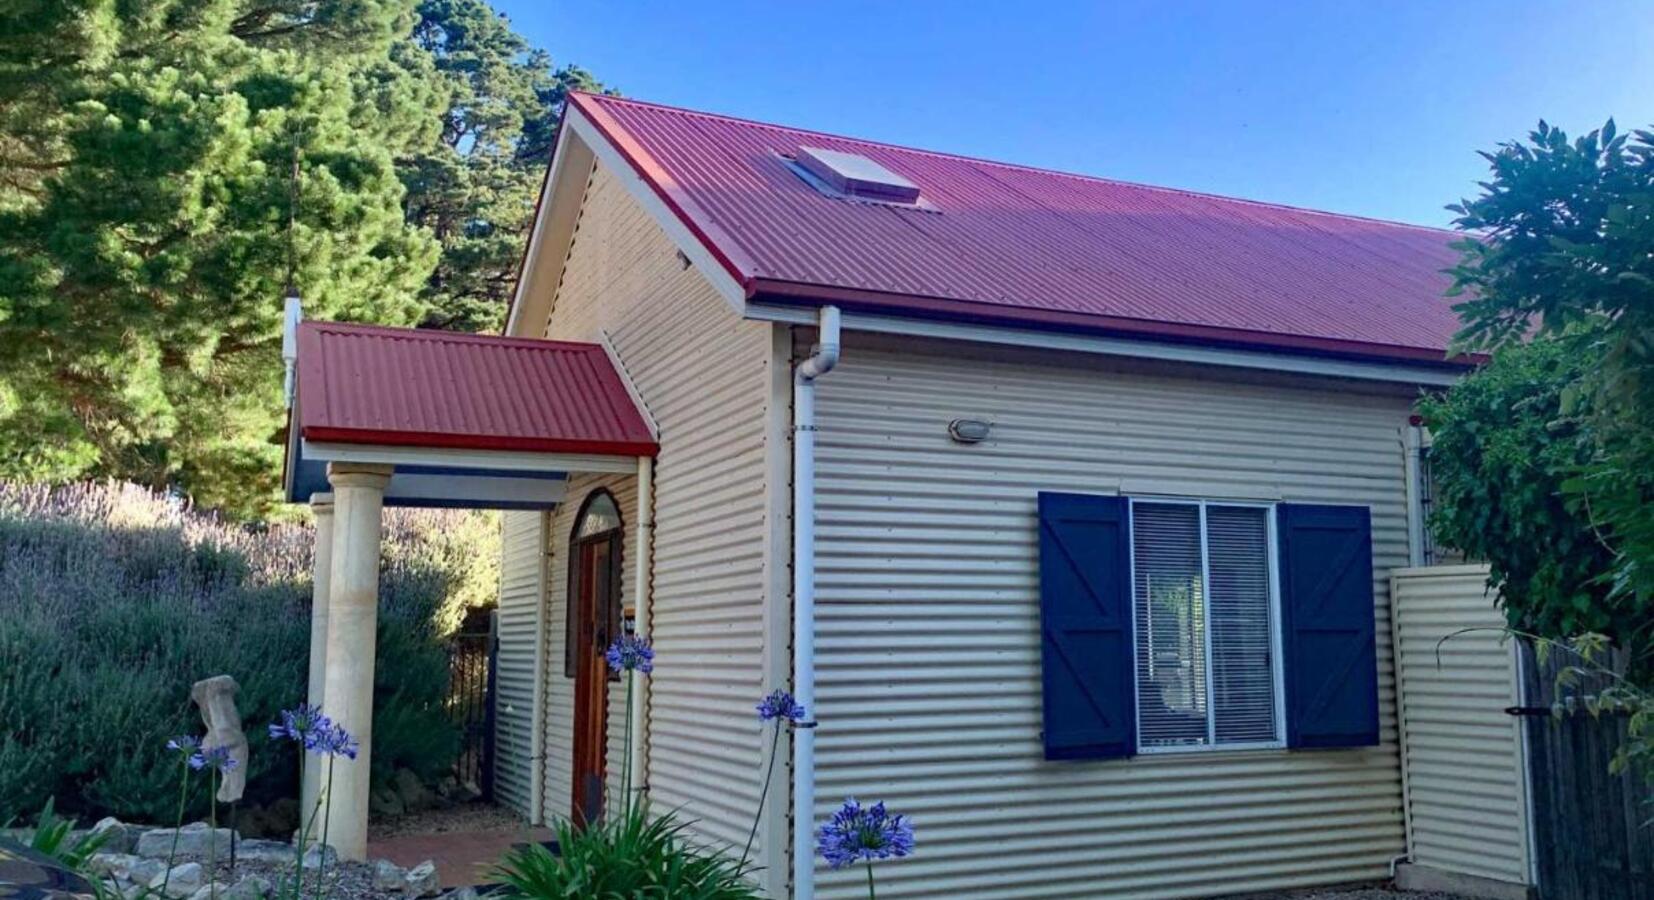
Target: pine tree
(149, 217)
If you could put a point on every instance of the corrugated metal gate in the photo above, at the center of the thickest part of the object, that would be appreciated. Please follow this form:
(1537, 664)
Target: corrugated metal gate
(1594, 837)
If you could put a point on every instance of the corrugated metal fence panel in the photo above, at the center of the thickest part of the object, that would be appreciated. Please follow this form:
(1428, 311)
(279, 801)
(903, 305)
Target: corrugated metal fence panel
(703, 374)
(1463, 754)
(522, 585)
(928, 651)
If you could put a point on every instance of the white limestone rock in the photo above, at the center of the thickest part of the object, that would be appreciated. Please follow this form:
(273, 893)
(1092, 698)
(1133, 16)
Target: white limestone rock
(194, 839)
(388, 876)
(115, 836)
(422, 880)
(216, 889)
(182, 882)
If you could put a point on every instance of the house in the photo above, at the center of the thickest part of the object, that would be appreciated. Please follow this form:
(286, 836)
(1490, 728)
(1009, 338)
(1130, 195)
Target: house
(1067, 506)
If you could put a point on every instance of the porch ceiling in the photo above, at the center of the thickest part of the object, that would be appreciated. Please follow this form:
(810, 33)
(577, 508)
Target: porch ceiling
(468, 420)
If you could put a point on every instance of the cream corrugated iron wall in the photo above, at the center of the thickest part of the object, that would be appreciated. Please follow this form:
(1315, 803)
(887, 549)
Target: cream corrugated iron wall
(928, 650)
(559, 724)
(1466, 802)
(704, 376)
(522, 585)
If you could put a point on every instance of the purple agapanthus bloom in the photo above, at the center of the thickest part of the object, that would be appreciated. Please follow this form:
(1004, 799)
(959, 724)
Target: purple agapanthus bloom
(336, 741)
(780, 705)
(303, 723)
(184, 744)
(630, 652)
(214, 758)
(855, 834)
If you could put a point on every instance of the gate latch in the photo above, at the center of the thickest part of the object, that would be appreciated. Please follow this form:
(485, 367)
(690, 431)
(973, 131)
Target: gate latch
(1528, 711)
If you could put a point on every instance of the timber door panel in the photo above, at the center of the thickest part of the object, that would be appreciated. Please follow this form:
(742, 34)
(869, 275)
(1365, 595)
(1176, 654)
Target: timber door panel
(594, 617)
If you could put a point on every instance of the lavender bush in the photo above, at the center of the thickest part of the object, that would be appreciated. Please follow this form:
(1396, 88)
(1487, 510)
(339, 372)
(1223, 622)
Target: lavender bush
(113, 600)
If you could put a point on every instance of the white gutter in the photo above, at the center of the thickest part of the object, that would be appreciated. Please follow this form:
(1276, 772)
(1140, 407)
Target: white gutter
(819, 363)
(1142, 349)
(642, 555)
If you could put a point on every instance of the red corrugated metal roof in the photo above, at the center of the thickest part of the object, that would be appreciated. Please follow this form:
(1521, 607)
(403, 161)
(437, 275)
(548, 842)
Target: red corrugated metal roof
(1025, 246)
(364, 384)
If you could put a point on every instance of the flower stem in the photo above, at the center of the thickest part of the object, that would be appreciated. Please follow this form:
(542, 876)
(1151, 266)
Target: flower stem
(183, 796)
(321, 849)
(763, 794)
(626, 765)
(212, 835)
(870, 882)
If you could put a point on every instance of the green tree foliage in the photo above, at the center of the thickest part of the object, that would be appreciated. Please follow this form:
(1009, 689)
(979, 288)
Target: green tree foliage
(1562, 429)
(1502, 450)
(474, 187)
(146, 158)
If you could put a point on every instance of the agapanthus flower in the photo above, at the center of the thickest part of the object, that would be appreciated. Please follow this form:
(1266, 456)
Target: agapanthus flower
(630, 652)
(336, 741)
(218, 758)
(184, 744)
(303, 723)
(780, 705)
(855, 834)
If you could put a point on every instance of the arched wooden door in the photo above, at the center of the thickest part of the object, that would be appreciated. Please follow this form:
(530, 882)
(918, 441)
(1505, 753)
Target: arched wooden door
(593, 621)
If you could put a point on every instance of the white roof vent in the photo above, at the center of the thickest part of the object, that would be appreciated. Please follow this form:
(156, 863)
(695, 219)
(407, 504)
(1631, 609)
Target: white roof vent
(856, 176)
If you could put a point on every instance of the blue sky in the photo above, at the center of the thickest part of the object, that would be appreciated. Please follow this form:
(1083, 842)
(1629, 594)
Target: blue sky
(1373, 108)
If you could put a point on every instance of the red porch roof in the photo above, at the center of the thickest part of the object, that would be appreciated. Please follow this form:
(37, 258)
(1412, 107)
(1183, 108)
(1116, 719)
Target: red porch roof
(1013, 245)
(365, 384)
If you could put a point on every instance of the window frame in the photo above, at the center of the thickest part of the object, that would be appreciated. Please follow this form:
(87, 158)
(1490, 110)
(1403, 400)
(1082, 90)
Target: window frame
(1276, 643)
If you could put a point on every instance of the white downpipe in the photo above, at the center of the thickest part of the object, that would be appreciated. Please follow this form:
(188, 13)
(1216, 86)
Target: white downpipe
(639, 761)
(819, 363)
(1415, 497)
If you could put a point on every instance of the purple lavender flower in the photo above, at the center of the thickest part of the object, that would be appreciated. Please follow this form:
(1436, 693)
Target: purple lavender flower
(855, 834)
(630, 652)
(780, 705)
(218, 758)
(303, 724)
(184, 744)
(336, 741)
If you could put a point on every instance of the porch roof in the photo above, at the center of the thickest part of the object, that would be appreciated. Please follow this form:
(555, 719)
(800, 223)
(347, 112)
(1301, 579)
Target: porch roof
(444, 407)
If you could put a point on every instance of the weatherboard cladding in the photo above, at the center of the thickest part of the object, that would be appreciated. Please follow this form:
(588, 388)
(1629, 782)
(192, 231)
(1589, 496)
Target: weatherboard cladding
(703, 374)
(1024, 244)
(369, 384)
(522, 587)
(928, 660)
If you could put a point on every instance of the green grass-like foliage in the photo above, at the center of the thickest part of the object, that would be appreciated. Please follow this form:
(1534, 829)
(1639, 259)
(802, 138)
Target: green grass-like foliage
(114, 600)
(630, 856)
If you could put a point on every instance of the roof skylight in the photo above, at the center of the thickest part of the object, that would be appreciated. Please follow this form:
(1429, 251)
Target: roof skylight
(854, 175)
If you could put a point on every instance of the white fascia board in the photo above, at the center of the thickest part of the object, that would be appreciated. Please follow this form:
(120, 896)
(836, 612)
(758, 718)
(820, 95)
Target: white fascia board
(1080, 343)
(500, 460)
(685, 240)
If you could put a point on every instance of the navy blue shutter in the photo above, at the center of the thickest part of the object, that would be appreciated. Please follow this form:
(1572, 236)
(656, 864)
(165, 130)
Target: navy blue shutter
(1085, 626)
(1331, 657)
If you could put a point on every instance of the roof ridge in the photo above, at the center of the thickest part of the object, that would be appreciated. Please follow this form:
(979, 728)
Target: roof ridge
(960, 157)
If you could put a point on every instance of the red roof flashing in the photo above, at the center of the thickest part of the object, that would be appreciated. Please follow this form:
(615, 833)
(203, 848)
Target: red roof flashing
(367, 384)
(1014, 245)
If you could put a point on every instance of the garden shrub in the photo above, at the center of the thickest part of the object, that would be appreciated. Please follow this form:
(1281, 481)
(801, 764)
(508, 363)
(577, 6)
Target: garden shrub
(114, 600)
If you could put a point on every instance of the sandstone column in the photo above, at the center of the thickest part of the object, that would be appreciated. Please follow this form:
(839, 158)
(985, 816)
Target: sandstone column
(321, 505)
(353, 597)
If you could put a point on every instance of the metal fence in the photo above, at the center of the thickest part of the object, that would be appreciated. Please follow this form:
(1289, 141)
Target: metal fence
(471, 700)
